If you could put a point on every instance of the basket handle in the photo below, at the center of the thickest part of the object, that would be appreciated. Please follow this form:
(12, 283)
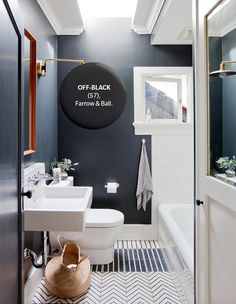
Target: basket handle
(59, 237)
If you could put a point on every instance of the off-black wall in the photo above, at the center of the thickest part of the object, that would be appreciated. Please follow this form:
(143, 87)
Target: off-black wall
(112, 152)
(10, 205)
(222, 101)
(215, 93)
(38, 25)
(229, 96)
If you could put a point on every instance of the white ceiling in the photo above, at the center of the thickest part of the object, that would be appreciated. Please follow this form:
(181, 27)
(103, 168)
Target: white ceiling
(168, 20)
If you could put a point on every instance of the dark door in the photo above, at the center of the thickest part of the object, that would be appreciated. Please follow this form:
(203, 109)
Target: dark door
(10, 234)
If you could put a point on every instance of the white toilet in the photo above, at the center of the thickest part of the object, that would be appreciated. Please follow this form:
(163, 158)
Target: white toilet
(101, 232)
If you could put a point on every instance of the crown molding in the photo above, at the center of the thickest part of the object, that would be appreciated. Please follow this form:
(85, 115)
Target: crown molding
(152, 9)
(55, 23)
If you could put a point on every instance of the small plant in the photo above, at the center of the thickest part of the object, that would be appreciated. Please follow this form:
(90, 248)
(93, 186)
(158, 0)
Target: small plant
(65, 165)
(228, 164)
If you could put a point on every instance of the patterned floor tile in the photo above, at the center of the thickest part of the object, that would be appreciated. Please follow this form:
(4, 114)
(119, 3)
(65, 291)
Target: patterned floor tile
(120, 288)
(138, 288)
(138, 275)
(113, 288)
(163, 288)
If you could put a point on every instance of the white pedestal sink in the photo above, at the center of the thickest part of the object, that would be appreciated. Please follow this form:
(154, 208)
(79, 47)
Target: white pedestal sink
(56, 208)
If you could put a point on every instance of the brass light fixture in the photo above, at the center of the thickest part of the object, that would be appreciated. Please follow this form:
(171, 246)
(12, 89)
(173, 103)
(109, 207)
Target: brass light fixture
(222, 72)
(41, 65)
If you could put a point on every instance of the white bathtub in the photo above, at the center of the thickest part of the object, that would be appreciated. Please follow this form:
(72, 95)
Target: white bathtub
(178, 219)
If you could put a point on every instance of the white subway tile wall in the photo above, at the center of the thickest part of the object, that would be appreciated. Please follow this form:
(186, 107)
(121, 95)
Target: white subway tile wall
(172, 168)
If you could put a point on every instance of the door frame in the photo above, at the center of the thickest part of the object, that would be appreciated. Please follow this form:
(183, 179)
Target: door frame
(13, 10)
(205, 186)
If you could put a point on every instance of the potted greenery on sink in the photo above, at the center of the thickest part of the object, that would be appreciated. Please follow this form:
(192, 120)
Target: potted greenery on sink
(228, 164)
(65, 165)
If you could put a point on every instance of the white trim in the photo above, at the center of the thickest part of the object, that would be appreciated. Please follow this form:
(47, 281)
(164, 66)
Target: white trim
(32, 283)
(59, 29)
(202, 227)
(154, 15)
(170, 28)
(142, 73)
(50, 16)
(70, 31)
(153, 128)
(138, 232)
(171, 42)
(220, 191)
(141, 30)
(162, 14)
(153, 12)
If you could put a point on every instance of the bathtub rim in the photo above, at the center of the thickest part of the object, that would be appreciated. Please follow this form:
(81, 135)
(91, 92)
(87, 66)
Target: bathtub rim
(178, 238)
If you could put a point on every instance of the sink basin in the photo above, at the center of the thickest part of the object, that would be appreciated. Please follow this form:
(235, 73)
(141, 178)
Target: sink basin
(57, 208)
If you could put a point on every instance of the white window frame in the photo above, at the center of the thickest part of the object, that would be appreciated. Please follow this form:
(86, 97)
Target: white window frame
(161, 126)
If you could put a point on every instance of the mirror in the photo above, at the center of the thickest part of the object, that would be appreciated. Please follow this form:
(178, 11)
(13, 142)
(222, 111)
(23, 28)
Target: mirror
(29, 93)
(221, 44)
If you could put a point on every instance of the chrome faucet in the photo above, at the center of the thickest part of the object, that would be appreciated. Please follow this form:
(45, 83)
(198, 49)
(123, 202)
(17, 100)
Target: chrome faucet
(36, 178)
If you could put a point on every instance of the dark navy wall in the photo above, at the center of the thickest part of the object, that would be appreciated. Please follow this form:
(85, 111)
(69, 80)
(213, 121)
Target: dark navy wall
(215, 93)
(112, 152)
(38, 25)
(229, 96)
(222, 100)
(10, 205)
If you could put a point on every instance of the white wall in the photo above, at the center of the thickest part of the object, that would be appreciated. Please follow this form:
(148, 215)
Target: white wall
(172, 168)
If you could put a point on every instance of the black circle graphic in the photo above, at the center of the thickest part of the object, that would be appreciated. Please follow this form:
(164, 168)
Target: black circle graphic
(92, 95)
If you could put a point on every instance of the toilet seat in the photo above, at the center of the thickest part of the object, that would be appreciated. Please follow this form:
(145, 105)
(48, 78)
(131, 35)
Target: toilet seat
(103, 218)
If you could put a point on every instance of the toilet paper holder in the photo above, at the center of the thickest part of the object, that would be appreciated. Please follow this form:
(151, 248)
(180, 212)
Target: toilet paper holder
(112, 187)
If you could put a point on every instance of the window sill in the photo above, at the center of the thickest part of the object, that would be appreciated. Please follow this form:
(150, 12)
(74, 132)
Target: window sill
(152, 128)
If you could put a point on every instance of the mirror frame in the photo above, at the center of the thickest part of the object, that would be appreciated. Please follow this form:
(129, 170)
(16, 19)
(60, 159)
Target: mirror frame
(32, 95)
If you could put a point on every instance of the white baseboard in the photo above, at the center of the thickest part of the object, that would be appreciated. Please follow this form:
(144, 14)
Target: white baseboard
(32, 284)
(139, 232)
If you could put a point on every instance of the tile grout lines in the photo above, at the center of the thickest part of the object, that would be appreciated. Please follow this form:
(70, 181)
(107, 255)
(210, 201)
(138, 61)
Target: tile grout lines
(119, 288)
(130, 279)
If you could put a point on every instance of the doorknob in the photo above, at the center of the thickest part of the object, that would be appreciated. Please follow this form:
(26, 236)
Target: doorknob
(198, 202)
(27, 194)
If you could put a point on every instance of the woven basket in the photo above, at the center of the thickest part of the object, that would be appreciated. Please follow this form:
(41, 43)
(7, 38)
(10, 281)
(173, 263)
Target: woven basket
(68, 275)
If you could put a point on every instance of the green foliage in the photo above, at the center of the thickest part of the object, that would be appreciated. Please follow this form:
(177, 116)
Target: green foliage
(226, 162)
(65, 164)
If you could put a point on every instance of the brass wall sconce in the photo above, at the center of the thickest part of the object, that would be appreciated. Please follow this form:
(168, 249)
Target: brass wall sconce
(41, 65)
(222, 72)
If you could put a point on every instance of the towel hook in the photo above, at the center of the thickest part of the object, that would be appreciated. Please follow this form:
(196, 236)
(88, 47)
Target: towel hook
(143, 141)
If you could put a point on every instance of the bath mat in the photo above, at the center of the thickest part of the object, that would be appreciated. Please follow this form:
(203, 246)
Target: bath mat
(136, 256)
(119, 288)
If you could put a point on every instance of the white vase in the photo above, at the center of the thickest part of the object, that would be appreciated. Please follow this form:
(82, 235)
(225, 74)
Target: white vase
(56, 172)
(230, 172)
(64, 175)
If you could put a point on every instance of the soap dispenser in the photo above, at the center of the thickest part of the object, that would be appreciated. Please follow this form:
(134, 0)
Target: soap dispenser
(148, 115)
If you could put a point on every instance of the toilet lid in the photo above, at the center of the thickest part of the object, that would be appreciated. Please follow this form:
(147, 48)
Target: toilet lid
(104, 218)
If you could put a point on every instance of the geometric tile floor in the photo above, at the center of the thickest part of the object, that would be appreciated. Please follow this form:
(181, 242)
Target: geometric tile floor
(119, 288)
(138, 275)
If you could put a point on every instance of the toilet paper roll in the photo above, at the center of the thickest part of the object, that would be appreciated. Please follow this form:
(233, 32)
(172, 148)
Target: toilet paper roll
(112, 187)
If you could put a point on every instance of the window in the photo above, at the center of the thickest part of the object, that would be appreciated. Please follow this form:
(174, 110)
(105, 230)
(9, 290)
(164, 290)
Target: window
(162, 95)
(163, 99)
